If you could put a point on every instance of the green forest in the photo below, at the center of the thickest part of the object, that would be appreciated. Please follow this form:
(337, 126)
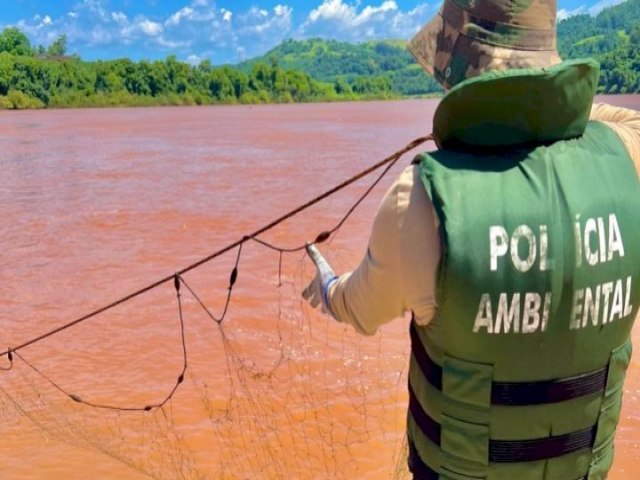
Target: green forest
(613, 38)
(46, 77)
(342, 63)
(295, 71)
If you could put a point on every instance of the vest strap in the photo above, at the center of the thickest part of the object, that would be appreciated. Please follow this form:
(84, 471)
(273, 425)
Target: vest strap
(551, 391)
(509, 451)
(541, 448)
(518, 393)
(418, 468)
(422, 471)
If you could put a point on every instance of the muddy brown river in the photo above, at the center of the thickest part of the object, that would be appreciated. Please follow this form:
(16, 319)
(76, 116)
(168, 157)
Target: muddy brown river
(98, 203)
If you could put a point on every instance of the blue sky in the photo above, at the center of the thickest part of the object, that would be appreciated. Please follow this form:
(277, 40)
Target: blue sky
(223, 31)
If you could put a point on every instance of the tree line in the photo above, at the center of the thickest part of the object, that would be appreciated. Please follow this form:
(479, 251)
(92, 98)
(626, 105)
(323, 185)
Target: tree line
(46, 77)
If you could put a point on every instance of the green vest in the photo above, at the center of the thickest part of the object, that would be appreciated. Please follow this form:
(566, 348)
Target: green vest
(520, 373)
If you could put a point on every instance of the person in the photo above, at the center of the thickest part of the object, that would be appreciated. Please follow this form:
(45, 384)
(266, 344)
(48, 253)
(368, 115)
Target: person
(515, 246)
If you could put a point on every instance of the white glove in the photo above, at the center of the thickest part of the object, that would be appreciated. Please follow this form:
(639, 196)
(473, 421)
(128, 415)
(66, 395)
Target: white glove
(318, 290)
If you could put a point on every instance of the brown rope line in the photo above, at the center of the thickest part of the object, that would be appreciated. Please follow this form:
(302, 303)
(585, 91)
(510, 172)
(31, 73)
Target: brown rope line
(102, 406)
(322, 237)
(326, 234)
(10, 367)
(232, 282)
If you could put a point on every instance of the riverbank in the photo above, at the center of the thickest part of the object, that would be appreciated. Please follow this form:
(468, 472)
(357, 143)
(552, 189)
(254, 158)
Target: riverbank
(31, 82)
(17, 100)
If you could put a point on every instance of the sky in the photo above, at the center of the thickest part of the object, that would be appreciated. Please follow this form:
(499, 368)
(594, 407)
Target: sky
(222, 31)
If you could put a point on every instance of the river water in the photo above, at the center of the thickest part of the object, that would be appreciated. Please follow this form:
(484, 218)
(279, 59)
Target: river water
(98, 203)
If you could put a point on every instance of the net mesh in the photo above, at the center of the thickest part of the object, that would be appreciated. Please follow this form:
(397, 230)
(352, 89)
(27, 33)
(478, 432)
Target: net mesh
(274, 391)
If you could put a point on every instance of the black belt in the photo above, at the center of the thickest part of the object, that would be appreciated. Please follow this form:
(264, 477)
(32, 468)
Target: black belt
(506, 451)
(518, 393)
(418, 468)
(422, 471)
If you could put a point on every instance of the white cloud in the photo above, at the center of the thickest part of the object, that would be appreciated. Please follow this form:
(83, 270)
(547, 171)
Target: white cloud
(227, 15)
(348, 14)
(171, 44)
(40, 22)
(593, 10)
(563, 13)
(193, 14)
(94, 8)
(199, 26)
(100, 36)
(119, 17)
(369, 12)
(148, 27)
(353, 22)
(268, 26)
(332, 9)
(282, 10)
(601, 5)
(194, 59)
(407, 24)
(184, 13)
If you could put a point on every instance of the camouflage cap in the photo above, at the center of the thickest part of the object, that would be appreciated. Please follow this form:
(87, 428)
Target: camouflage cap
(469, 37)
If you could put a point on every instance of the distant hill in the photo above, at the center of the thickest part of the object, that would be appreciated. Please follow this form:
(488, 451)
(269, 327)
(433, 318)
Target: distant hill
(336, 62)
(613, 37)
(584, 35)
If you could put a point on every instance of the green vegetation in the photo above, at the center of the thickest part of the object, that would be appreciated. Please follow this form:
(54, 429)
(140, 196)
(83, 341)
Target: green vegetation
(343, 63)
(612, 37)
(295, 71)
(38, 77)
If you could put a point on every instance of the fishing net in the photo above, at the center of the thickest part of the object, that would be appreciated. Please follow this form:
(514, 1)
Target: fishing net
(214, 375)
(288, 394)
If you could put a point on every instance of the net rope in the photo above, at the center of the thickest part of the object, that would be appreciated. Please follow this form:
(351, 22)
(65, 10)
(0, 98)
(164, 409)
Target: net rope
(278, 405)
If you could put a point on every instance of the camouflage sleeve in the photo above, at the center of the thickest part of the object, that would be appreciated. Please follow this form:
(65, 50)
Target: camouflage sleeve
(397, 274)
(625, 122)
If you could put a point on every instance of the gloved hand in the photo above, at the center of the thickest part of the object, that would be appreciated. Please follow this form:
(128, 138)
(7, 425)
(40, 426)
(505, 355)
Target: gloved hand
(317, 291)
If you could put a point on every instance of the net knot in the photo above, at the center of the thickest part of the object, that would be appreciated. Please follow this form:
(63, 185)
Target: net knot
(323, 237)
